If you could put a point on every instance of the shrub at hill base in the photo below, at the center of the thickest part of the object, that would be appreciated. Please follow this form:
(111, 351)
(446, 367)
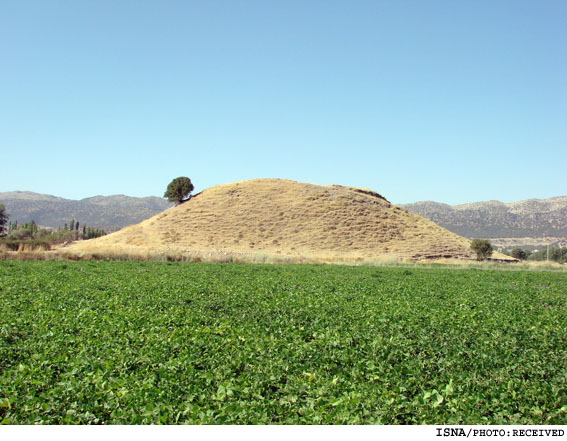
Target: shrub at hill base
(520, 254)
(482, 248)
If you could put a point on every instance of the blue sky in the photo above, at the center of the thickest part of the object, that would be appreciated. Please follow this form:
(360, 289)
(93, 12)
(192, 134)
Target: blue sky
(453, 101)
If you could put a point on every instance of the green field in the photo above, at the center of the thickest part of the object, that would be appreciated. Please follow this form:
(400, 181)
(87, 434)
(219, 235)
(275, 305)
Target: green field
(132, 343)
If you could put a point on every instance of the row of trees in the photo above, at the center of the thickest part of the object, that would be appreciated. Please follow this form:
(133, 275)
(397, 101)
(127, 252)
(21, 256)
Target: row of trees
(85, 233)
(555, 254)
(29, 231)
(72, 231)
(483, 250)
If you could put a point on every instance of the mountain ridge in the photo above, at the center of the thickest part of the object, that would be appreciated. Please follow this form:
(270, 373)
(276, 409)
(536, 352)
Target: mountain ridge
(536, 218)
(108, 212)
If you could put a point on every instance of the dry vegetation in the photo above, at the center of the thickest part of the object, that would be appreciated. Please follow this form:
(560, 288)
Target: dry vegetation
(280, 220)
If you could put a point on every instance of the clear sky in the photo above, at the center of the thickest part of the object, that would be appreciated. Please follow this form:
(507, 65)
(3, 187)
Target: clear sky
(454, 101)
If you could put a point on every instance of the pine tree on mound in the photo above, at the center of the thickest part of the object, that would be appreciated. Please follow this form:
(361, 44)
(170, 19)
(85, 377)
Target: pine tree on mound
(178, 190)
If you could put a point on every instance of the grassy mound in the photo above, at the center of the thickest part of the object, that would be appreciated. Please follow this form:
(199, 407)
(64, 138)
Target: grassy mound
(286, 218)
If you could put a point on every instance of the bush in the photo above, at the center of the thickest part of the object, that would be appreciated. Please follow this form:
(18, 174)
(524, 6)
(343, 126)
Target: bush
(21, 234)
(482, 248)
(519, 253)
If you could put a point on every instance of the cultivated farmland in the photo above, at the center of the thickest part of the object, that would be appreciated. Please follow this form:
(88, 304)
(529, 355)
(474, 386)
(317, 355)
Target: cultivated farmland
(146, 342)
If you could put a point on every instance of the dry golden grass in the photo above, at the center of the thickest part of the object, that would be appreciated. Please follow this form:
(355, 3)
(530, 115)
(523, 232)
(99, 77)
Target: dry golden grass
(287, 220)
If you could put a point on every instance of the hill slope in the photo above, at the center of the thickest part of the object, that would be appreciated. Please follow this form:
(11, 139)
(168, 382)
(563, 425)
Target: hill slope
(534, 218)
(109, 212)
(289, 218)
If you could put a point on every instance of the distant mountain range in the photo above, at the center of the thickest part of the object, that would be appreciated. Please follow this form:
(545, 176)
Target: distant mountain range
(534, 218)
(108, 212)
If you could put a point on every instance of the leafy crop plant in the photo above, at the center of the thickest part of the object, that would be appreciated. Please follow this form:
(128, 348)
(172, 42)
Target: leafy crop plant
(171, 343)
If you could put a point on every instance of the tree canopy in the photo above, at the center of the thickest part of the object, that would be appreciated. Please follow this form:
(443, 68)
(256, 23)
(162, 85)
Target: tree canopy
(178, 189)
(482, 248)
(519, 253)
(3, 218)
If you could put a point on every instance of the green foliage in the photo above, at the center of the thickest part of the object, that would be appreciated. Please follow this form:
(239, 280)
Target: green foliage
(178, 189)
(519, 253)
(482, 248)
(3, 218)
(171, 343)
(92, 233)
(554, 254)
(25, 231)
(20, 235)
